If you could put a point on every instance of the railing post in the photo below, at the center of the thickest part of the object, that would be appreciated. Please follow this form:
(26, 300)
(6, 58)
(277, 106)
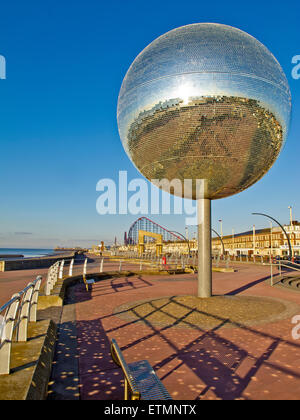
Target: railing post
(24, 315)
(84, 266)
(34, 300)
(71, 268)
(49, 281)
(56, 272)
(6, 339)
(61, 269)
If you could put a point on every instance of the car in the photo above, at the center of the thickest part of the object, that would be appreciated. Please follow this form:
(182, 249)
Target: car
(297, 259)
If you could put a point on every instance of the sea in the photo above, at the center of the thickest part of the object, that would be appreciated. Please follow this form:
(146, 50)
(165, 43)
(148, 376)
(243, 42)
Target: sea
(27, 252)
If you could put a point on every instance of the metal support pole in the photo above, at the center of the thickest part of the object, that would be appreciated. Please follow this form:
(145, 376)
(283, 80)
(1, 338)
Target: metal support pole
(272, 283)
(204, 248)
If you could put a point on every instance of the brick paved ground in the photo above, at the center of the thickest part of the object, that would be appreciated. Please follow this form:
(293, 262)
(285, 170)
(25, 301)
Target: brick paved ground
(258, 362)
(14, 281)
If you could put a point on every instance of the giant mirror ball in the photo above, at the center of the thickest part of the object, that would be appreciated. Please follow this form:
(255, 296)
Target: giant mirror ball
(204, 101)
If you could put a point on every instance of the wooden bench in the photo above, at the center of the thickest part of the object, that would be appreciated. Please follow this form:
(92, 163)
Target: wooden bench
(141, 382)
(88, 282)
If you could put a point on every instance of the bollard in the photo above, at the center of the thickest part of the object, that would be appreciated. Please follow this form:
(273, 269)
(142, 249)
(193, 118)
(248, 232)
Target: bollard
(101, 265)
(71, 268)
(141, 266)
(120, 266)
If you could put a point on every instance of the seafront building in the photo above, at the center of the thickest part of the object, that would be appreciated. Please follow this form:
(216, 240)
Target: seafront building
(267, 241)
(262, 242)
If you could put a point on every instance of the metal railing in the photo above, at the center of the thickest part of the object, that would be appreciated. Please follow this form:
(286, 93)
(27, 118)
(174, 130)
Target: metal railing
(280, 265)
(18, 312)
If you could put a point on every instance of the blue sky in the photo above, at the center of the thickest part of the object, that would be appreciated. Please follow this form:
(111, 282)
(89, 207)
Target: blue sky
(58, 131)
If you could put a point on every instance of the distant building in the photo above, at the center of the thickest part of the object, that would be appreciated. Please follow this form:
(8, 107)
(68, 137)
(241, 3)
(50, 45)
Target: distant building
(261, 241)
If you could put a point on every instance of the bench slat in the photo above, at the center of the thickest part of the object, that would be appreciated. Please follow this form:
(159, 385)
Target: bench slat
(149, 385)
(143, 381)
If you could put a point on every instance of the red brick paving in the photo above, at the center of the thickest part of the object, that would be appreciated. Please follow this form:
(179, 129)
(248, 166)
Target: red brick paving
(260, 362)
(14, 281)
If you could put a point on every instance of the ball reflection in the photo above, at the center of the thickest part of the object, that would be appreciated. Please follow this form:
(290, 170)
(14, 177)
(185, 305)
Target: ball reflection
(205, 101)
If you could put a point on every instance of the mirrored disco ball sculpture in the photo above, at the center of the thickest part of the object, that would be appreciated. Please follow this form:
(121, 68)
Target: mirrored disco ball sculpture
(205, 101)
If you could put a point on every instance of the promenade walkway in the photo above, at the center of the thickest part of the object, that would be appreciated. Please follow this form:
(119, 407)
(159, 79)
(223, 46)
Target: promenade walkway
(258, 361)
(13, 281)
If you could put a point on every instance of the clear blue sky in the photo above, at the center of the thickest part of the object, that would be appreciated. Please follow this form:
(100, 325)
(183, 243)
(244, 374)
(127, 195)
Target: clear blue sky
(58, 132)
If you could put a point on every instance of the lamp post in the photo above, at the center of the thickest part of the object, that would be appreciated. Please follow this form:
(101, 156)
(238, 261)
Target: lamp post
(221, 227)
(221, 230)
(291, 215)
(284, 231)
(184, 238)
(291, 223)
(254, 240)
(221, 239)
(271, 233)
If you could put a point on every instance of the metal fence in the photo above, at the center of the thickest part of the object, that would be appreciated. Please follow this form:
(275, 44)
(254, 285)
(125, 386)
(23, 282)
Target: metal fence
(17, 313)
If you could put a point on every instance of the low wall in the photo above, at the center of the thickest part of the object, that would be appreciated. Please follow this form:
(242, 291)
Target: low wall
(31, 263)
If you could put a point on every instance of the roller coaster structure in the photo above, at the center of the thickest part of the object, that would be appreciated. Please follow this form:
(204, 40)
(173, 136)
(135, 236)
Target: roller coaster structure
(145, 224)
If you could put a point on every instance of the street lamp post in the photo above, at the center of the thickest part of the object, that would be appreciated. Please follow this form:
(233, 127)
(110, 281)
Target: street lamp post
(254, 241)
(221, 239)
(291, 215)
(184, 238)
(284, 231)
(221, 230)
(291, 223)
(271, 234)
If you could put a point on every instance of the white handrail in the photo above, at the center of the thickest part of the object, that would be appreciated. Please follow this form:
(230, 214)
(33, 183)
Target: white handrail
(84, 266)
(61, 270)
(19, 311)
(71, 268)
